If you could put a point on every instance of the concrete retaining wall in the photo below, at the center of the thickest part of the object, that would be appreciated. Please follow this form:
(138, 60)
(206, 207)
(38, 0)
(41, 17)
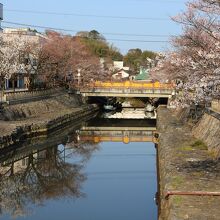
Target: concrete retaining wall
(27, 96)
(216, 105)
(56, 104)
(26, 131)
(208, 130)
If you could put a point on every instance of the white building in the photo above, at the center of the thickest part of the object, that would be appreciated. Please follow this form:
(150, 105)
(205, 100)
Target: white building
(9, 34)
(118, 65)
(121, 75)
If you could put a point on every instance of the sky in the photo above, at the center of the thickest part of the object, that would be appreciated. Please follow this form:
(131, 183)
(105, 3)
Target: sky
(127, 24)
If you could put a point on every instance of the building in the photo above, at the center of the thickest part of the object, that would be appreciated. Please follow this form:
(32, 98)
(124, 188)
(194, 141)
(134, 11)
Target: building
(143, 74)
(119, 71)
(121, 75)
(22, 78)
(118, 65)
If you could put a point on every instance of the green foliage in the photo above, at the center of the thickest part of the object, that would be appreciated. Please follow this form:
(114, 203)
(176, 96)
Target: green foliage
(99, 46)
(136, 58)
(199, 145)
(187, 148)
(177, 200)
(115, 54)
(95, 35)
(176, 181)
(148, 54)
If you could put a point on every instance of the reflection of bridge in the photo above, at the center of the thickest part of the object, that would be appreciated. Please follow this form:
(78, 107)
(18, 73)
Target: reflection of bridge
(129, 89)
(116, 131)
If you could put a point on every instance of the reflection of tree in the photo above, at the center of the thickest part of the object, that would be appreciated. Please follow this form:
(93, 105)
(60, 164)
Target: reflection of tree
(82, 148)
(40, 176)
(85, 149)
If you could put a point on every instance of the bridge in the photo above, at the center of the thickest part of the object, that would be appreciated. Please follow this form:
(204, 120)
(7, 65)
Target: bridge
(128, 89)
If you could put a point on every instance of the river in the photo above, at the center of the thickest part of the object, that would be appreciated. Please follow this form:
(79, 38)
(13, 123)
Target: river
(101, 169)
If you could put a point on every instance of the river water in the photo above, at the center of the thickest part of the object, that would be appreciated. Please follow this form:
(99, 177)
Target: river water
(99, 170)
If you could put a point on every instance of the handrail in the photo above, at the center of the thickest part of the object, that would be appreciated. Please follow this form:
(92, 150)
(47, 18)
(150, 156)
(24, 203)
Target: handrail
(190, 193)
(130, 85)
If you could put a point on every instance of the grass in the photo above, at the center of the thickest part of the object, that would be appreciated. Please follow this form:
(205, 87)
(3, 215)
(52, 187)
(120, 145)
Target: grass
(196, 145)
(177, 200)
(187, 148)
(179, 154)
(199, 145)
(176, 181)
(214, 154)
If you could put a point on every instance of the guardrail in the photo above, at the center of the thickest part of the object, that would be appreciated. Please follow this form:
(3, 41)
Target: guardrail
(130, 84)
(129, 90)
(2, 97)
(126, 87)
(23, 96)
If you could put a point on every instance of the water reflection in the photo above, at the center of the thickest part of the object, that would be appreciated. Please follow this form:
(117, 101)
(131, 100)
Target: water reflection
(81, 164)
(134, 113)
(118, 130)
(33, 176)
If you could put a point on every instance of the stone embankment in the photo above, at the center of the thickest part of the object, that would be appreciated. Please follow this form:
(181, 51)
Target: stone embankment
(188, 173)
(208, 128)
(21, 120)
(26, 106)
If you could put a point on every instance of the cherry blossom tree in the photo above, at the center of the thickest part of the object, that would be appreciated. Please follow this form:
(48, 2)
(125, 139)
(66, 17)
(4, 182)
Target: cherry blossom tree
(63, 56)
(15, 57)
(194, 62)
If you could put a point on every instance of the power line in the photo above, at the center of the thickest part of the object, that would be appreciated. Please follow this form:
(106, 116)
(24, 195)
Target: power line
(88, 15)
(141, 41)
(39, 26)
(126, 40)
(71, 30)
(138, 35)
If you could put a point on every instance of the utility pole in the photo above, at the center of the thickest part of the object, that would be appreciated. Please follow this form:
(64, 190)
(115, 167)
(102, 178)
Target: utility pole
(1, 15)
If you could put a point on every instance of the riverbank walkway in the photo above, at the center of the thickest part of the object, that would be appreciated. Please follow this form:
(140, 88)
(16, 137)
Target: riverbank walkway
(188, 172)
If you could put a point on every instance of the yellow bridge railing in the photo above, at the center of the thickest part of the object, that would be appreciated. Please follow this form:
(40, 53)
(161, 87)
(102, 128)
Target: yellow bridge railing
(126, 139)
(131, 85)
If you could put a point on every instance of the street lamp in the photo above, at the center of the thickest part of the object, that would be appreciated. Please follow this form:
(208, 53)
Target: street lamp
(78, 76)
